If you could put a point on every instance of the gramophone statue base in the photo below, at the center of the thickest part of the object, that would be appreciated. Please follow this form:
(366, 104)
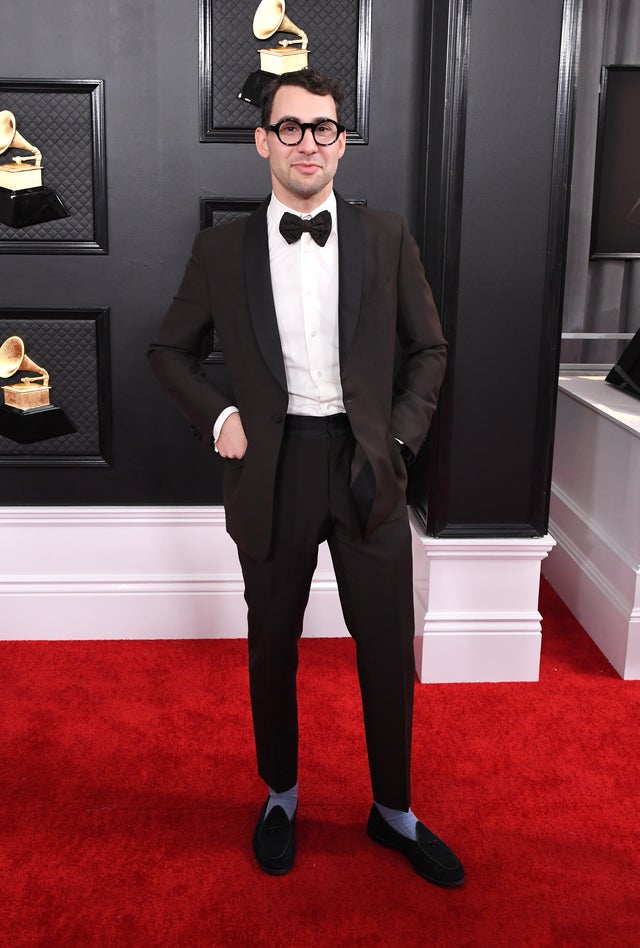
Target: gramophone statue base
(281, 59)
(30, 206)
(36, 424)
(26, 395)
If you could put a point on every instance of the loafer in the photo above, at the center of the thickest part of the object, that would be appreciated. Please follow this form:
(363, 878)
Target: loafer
(429, 856)
(274, 841)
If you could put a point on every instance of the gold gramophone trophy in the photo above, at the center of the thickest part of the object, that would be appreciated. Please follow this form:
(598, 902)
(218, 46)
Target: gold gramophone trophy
(289, 55)
(27, 414)
(24, 200)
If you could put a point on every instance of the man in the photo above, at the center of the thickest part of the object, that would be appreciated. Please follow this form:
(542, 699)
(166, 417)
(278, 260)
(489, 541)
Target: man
(335, 357)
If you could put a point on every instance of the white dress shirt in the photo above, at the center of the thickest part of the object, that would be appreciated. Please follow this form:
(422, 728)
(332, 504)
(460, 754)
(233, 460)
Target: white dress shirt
(304, 279)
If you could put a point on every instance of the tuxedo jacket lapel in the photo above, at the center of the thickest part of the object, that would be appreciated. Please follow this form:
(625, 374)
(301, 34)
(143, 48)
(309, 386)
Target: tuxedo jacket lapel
(351, 257)
(260, 292)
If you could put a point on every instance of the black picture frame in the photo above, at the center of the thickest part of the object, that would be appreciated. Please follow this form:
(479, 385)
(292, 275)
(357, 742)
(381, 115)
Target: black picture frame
(339, 44)
(64, 118)
(219, 210)
(615, 222)
(73, 345)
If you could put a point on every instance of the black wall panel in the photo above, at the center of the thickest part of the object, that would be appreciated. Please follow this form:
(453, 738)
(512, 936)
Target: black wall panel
(503, 256)
(497, 87)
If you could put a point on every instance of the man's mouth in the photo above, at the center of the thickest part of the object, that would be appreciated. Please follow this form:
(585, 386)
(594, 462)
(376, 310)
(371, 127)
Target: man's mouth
(306, 165)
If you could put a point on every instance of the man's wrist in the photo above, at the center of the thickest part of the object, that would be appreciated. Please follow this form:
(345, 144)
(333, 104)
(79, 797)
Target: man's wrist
(219, 422)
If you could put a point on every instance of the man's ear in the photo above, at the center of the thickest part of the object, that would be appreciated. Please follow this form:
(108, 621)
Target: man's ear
(262, 146)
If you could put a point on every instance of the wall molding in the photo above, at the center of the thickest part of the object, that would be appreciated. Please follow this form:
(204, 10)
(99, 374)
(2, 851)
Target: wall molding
(172, 572)
(600, 583)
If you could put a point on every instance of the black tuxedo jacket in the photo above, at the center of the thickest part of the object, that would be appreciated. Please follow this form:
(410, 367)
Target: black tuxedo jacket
(392, 357)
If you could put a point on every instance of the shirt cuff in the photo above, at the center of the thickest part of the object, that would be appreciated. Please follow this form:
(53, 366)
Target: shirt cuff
(220, 420)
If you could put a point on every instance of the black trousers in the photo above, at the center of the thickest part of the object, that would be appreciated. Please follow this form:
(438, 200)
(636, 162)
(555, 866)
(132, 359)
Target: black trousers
(313, 503)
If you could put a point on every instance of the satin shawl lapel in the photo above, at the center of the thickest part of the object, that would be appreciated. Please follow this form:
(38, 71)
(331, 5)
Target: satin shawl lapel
(260, 292)
(351, 257)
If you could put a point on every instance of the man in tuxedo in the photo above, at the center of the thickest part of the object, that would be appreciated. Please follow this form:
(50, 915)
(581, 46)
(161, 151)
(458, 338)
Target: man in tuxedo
(335, 357)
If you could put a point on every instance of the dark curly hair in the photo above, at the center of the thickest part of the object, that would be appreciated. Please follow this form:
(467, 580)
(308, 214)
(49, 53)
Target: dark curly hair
(310, 79)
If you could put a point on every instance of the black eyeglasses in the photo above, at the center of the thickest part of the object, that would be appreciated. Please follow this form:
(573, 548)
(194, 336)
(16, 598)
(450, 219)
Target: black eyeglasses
(290, 132)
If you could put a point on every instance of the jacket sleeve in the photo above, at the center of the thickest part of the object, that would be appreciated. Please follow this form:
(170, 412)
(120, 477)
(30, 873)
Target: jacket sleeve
(183, 341)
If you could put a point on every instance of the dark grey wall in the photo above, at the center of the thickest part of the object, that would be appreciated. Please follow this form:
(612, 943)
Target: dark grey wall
(481, 474)
(147, 53)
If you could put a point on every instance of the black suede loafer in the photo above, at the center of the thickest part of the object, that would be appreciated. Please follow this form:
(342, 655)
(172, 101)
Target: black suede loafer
(274, 841)
(428, 855)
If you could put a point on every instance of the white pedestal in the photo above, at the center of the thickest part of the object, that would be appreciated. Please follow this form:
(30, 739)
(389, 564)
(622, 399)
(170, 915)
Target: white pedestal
(595, 515)
(476, 604)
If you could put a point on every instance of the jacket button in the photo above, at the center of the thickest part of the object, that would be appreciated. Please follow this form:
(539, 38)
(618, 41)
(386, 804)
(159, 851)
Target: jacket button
(277, 417)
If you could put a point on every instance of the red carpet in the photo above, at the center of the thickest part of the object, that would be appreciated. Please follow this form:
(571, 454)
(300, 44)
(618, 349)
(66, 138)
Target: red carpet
(129, 797)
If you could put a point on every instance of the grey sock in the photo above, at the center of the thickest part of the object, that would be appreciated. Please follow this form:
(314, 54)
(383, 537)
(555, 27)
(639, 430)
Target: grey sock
(403, 821)
(288, 800)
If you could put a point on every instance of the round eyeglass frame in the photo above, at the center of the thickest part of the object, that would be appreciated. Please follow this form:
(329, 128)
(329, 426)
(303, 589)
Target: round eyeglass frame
(303, 126)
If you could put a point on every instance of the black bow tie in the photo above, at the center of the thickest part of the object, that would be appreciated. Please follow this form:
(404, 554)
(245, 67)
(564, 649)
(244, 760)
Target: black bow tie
(292, 226)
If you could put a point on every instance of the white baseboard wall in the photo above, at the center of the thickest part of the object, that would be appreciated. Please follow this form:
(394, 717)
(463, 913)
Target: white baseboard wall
(599, 580)
(132, 573)
(173, 572)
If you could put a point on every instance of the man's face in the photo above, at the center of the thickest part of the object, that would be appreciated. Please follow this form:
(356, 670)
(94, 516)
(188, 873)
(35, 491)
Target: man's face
(301, 174)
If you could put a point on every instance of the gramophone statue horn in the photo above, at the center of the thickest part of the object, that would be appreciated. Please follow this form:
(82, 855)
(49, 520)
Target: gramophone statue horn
(270, 18)
(10, 137)
(32, 392)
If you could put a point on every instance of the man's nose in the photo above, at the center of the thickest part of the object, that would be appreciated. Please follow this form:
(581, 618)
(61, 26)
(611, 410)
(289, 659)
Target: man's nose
(307, 142)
